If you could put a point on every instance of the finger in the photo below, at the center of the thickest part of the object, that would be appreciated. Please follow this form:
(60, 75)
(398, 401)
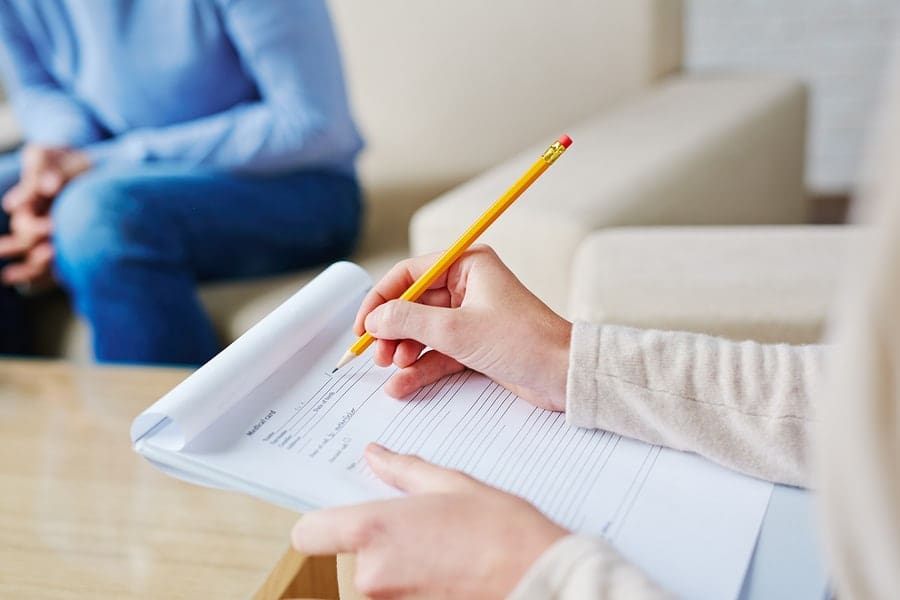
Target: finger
(429, 368)
(413, 474)
(42, 255)
(438, 297)
(396, 281)
(11, 247)
(19, 273)
(438, 327)
(30, 228)
(35, 267)
(29, 233)
(407, 352)
(20, 195)
(384, 352)
(336, 530)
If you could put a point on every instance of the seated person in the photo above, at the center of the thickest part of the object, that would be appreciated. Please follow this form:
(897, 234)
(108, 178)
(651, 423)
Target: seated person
(745, 405)
(171, 143)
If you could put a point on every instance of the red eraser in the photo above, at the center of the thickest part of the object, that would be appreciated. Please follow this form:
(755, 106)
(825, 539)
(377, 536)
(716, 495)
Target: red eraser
(565, 140)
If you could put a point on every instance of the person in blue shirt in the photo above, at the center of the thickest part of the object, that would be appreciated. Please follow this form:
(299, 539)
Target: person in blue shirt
(170, 142)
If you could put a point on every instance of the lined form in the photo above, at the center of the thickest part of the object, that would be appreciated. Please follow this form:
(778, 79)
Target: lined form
(586, 480)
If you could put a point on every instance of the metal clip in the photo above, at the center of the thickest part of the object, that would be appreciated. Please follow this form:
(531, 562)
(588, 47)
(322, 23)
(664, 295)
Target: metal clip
(553, 152)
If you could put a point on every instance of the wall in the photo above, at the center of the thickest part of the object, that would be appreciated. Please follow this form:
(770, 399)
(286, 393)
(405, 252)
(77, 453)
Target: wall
(841, 48)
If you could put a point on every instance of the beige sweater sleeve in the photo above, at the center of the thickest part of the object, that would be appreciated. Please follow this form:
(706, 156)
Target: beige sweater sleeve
(748, 406)
(745, 405)
(581, 567)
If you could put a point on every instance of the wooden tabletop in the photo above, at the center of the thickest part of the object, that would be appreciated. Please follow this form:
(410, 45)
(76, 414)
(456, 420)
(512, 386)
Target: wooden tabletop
(82, 515)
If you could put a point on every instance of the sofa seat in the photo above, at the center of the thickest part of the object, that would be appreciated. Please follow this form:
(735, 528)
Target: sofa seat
(771, 284)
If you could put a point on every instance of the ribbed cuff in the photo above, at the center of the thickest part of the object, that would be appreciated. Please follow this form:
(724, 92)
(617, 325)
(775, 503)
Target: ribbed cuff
(583, 399)
(553, 569)
(126, 150)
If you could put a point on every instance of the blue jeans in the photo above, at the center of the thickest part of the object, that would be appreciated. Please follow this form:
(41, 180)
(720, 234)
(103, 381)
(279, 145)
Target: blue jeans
(132, 244)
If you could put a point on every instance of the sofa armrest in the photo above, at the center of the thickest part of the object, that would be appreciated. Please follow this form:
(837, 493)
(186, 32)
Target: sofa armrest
(769, 284)
(691, 150)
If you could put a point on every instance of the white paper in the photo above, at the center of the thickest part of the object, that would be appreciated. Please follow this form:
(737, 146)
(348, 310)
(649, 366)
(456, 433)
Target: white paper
(297, 439)
(230, 375)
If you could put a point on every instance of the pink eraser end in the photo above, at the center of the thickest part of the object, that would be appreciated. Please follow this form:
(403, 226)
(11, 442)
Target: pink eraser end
(565, 140)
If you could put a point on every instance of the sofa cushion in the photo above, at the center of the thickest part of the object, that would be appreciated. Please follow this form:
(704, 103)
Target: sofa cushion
(444, 90)
(771, 284)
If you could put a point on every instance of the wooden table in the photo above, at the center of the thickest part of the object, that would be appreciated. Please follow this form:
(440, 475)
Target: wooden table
(82, 515)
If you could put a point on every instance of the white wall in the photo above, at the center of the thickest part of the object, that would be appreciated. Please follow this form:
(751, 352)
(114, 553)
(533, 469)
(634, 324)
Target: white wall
(839, 47)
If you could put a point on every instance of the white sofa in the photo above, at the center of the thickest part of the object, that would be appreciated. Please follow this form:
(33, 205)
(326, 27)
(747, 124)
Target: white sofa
(446, 92)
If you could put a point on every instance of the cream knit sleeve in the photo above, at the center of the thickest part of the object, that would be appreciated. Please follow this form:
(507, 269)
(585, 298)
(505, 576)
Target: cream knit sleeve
(745, 405)
(579, 568)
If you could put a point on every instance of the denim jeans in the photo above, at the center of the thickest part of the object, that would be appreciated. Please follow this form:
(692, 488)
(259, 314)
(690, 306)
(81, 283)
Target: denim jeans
(132, 244)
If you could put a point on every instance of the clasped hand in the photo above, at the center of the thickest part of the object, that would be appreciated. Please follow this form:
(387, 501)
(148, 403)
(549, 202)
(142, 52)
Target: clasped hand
(44, 173)
(452, 536)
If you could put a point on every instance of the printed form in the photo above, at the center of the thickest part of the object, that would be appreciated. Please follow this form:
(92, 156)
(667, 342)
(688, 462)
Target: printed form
(667, 511)
(297, 439)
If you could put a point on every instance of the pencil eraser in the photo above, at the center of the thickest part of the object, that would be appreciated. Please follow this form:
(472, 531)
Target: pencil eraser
(565, 140)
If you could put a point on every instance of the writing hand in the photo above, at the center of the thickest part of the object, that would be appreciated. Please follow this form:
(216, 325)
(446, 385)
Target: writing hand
(477, 315)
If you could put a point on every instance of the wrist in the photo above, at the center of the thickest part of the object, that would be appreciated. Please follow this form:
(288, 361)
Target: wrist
(533, 551)
(560, 364)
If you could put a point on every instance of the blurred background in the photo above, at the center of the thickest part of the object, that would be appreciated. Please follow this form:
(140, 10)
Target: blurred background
(715, 142)
(840, 49)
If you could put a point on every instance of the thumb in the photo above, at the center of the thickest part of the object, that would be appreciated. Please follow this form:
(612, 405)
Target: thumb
(412, 474)
(433, 326)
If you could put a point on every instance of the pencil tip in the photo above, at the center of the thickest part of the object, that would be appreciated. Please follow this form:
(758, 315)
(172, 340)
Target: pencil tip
(334, 370)
(348, 356)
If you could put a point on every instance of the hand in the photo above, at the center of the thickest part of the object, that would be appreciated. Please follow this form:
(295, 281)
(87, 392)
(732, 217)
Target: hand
(29, 242)
(477, 315)
(453, 537)
(45, 171)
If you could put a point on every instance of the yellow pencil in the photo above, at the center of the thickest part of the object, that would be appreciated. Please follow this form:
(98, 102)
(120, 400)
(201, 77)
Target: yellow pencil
(468, 238)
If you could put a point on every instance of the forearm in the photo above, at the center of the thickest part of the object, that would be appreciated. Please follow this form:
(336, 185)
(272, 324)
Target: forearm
(580, 567)
(745, 405)
(254, 137)
(52, 118)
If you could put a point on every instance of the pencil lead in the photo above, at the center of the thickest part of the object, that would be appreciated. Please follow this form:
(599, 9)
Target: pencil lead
(334, 370)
